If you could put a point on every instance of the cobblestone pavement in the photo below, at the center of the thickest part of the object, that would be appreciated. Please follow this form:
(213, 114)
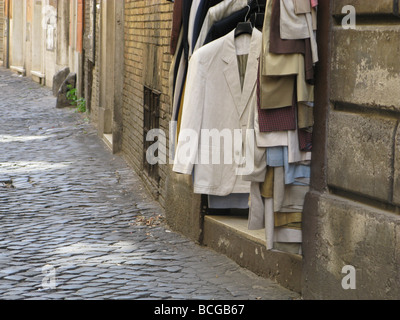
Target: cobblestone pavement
(76, 222)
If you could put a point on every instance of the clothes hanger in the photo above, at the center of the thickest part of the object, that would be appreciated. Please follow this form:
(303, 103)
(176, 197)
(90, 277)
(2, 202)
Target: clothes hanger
(258, 5)
(257, 18)
(244, 27)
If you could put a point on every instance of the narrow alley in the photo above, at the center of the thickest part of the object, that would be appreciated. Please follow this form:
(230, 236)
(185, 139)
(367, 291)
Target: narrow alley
(77, 223)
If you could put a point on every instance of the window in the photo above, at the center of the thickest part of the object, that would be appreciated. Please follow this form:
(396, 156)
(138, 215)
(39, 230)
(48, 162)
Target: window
(150, 121)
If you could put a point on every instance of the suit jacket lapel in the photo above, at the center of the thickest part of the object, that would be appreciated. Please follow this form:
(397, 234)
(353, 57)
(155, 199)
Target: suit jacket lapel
(231, 69)
(251, 70)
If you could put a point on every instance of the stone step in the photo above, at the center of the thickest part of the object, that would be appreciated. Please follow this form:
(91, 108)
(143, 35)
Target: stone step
(230, 236)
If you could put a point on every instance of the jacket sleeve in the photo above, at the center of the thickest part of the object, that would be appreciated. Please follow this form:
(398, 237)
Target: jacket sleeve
(192, 115)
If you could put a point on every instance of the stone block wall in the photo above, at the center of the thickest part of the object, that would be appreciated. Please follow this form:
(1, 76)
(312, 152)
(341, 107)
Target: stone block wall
(365, 102)
(352, 218)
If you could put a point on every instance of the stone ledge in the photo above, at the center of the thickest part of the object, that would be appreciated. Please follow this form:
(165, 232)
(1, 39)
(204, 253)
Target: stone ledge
(38, 74)
(229, 236)
(38, 77)
(368, 7)
(18, 69)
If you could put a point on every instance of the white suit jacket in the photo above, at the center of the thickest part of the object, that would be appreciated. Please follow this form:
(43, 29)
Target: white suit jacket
(214, 100)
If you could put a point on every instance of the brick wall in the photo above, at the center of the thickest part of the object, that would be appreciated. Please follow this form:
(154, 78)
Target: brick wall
(147, 62)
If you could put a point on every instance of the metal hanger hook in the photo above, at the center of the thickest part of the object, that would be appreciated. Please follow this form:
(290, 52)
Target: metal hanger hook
(248, 11)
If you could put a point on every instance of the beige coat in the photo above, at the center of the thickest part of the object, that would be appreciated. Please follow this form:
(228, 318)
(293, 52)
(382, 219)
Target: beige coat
(214, 100)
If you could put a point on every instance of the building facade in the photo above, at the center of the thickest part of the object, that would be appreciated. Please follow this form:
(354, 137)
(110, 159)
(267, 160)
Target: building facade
(2, 29)
(42, 37)
(120, 51)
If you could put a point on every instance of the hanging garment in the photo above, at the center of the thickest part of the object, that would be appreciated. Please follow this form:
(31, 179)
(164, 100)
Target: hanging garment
(176, 25)
(176, 80)
(295, 173)
(262, 216)
(186, 8)
(290, 69)
(295, 154)
(275, 119)
(192, 18)
(204, 6)
(278, 45)
(292, 26)
(217, 13)
(225, 25)
(257, 216)
(181, 65)
(302, 6)
(287, 198)
(290, 220)
(281, 74)
(256, 155)
(188, 26)
(180, 111)
(179, 87)
(305, 140)
(214, 101)
(288, 138)
(174, 67)
(267, 187)
(305, 115)
(281, 119)
(281, 46)
(314, 14)
(297, 26)
(268, 192)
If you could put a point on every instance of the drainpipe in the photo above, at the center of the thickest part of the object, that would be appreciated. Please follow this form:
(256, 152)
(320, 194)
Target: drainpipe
(7, 62)
(94, 32)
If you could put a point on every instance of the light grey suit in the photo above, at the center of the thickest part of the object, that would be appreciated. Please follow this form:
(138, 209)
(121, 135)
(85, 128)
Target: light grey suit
(214, 100)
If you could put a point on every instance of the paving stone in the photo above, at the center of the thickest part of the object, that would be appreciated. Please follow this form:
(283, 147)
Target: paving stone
(160, 295)
(74, 287)
(133, 296)
(15, 278)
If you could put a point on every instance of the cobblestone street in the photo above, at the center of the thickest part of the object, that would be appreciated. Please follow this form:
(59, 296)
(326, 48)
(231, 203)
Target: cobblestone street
(76, 222)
